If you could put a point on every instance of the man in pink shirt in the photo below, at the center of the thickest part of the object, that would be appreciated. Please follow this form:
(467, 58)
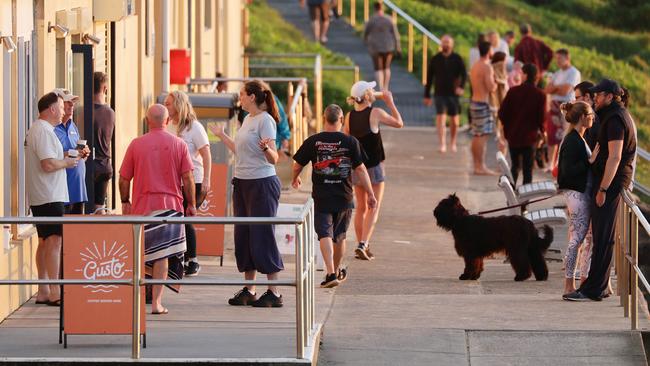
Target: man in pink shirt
(157, 162)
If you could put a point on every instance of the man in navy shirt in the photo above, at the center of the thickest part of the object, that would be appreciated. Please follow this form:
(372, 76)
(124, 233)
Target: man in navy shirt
(68, 134)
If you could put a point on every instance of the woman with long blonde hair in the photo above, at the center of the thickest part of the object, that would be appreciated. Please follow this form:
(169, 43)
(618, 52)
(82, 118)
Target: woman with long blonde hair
(184, 124)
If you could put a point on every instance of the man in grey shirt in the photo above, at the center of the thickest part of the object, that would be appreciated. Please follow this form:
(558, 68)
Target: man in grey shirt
(382, 39)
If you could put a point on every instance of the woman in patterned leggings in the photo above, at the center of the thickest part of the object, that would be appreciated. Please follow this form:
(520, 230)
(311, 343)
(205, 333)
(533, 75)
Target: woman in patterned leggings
(575, 180)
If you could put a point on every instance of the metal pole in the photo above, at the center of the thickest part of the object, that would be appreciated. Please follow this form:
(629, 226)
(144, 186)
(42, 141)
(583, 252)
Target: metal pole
(624, 278)
(137, 265)
(425, 48)
(356, 73)
(353, 12)
(366, 10)
(318, 86)
(300, 316)
(312, 270)
(165, 47)
(292, 118)
(394, 17)
(634, 278)
(246, 69)
(411, 41)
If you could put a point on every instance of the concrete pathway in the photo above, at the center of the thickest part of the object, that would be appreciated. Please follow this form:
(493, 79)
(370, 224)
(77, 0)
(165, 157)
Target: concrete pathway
(407, 89)
(407, 307)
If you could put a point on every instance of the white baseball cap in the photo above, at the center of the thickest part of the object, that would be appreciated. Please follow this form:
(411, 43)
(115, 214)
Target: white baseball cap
(66, 95)
(359, 88)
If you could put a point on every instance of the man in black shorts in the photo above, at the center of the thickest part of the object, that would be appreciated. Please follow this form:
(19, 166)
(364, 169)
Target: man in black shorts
(104, 124)
(333, 155)
(319, 12)
(47, 190)
(446, 70)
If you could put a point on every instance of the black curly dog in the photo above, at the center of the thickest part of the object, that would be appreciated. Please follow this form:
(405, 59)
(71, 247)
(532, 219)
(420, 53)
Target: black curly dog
(476, 237)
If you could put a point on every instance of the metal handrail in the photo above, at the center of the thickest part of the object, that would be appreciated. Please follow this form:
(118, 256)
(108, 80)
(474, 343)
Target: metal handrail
(354, 68)
(645, 155)
(626, 256)
(410, 20)
(304, 280)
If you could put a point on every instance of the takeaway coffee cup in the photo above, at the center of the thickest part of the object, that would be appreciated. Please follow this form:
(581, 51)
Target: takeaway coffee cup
(378, 95)
(73, 153)
(81, 144)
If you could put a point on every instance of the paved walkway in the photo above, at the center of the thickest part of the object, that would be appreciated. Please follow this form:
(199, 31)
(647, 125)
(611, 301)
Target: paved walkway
(407, 306)
(407, 89)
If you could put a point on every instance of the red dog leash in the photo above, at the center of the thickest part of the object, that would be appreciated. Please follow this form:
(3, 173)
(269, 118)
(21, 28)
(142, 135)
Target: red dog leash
(514, 206)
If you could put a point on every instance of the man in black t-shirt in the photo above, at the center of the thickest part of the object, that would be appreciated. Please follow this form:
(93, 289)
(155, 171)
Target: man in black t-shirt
(613, 172)
(333, 155)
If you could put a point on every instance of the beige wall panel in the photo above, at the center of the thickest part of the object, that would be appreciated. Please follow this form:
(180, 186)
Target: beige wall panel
(17, 264)
(6, 23)
(232, 49)
(206, 40)
(127, 73)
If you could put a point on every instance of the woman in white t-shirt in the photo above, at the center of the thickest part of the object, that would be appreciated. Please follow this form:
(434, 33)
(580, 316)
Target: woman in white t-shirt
(183, 124)
(256, 191)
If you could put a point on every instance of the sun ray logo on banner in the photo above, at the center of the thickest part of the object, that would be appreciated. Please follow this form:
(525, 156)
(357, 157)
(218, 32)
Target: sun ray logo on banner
(98, 252)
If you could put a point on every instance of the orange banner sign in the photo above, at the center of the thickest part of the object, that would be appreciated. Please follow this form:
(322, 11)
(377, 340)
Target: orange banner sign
(209, 238)
(99, 252)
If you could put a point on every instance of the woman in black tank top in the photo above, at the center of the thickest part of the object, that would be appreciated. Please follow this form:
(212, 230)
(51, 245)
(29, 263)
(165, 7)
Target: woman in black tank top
(363, 123)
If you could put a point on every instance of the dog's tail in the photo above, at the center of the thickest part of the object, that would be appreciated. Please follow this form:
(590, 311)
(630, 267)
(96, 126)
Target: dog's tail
(545, 242)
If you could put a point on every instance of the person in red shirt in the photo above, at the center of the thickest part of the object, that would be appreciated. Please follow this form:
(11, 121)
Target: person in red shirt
(522, 113)
(533, 51)
(157, 162)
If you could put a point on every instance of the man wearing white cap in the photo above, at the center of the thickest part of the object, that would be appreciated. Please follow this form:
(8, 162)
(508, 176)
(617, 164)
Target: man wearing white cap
(68, 134)
(363, 123)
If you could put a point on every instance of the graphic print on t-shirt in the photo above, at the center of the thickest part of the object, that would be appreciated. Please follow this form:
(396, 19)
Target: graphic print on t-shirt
(332, 160)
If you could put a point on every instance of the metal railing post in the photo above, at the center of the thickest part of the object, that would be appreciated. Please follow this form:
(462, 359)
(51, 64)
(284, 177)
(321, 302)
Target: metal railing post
(356, 73)
(318, 89)
(425, 48)
(300, 316)
(353, 12)
(246, 64)
(634, 278)
(313, 266)
(366, 10)
(394, 16)
(137, 266)
(411, 42)
(624, 279)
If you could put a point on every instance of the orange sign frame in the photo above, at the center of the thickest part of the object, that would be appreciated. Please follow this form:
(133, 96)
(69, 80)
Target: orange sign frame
(102, 252)
(210, 238)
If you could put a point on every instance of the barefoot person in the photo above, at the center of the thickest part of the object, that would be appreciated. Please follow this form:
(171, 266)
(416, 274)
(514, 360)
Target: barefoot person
(576, 182)
(363, 123)
(446, 71)
(481, 118)
(333, 156)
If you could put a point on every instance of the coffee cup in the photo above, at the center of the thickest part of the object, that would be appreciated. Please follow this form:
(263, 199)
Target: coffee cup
(378, 95)
(81, 144)
(73, 153)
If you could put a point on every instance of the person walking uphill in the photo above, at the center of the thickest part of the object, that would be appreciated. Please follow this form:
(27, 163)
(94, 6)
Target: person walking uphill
(363, 123)
(613, 172)
(382, 39)
(184, 125)
(446, 71)
(158, 162)
(256, 191)
(47, 190)
(523, 114)
(334, 156)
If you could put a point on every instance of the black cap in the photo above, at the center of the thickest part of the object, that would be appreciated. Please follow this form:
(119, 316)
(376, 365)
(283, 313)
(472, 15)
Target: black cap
(607, 86)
